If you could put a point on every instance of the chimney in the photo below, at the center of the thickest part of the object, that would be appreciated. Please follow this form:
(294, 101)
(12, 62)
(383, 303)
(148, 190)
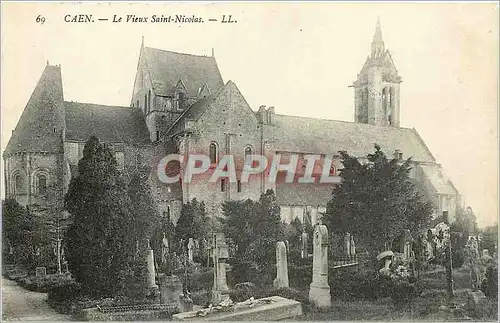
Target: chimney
(261, 114)
(270, 115)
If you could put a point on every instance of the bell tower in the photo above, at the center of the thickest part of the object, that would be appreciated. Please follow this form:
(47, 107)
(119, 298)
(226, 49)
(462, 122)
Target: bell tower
(376, 90)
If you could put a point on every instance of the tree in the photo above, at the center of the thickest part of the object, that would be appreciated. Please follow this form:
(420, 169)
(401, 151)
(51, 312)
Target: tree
(145, 214)
(18, 233)
(99, 247)
(376, 201)
(52, 222)
(254, 227)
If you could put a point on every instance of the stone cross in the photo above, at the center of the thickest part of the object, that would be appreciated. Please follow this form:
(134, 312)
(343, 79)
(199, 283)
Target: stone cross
(304, 250)
(220, 290)
(190, 247)
(319, 291)
(281, 279)
(151, 275)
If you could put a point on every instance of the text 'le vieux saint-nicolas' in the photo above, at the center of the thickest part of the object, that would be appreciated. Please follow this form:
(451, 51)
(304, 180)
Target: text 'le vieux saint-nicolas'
(176, 19)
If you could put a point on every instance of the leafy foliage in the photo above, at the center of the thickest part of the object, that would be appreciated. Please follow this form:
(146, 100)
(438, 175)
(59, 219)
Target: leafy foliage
(376, 201)
(192, 223)
(254, 228)
(145, 214)
(98, 240)
(18, 233)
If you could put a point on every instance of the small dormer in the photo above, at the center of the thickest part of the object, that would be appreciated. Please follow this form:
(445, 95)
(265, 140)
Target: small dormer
(180, 96)
(203, 92)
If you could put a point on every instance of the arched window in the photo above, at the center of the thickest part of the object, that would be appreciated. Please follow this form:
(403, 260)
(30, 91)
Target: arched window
(213, 153)
(42, 184)
(248, 151)
(17, 183)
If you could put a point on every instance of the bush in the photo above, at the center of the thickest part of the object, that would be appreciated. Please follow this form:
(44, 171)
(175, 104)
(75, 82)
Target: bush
(300, 275)
(489, 285)
(44, 284)
(249, 271)
(352, 283)
(65, 292)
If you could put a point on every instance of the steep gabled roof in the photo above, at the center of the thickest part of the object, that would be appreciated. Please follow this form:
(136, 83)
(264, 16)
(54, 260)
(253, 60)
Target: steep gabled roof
(108, 123)
(40, 127)
(320, 136)
(167, 68)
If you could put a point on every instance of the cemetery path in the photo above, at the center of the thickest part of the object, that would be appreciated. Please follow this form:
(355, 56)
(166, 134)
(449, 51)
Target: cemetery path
(19, 304)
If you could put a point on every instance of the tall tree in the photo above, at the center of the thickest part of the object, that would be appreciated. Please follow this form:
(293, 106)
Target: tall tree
(99, 247)
(52, 222)
(376, 201)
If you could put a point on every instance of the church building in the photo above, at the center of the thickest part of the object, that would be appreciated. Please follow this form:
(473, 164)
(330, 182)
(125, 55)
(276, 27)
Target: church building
(180, 100)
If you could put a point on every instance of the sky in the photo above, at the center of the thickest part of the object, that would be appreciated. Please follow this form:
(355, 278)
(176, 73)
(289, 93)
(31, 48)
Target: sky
(298, 57)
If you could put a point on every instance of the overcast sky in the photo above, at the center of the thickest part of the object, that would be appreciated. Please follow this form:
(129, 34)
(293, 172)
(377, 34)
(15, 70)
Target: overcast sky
(300, 58)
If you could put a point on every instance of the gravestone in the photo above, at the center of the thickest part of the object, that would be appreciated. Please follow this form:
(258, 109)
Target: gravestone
(281, 279)
(319, 291)
(150, 276)
(164, 249)
(406, 245)
(347, 244)
(220, 291)
(304, 252)
(40, 271)
(352, 247)
(190, 247)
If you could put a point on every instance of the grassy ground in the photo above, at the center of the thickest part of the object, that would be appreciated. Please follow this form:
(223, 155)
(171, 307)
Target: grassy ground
(428, 307)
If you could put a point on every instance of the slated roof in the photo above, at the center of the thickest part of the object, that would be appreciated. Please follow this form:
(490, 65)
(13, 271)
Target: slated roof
(438, 180)
(303, 194)
(167, 68)
(42, 115)
(320, 136)
(108, 123)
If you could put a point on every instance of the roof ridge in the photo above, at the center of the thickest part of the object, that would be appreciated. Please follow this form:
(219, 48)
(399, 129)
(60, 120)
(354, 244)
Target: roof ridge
(344, 121)
(100, 105)
(179, 53)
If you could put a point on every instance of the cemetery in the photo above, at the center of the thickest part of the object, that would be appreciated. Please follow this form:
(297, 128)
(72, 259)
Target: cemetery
(250, 265)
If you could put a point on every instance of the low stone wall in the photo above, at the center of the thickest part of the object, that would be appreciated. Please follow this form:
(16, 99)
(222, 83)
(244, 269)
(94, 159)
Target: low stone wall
(96, 314)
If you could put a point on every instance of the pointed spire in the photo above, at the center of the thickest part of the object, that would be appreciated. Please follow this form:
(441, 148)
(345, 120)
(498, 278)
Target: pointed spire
(378, 46)
(213, 52)
(377, 38)
(142, 42)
